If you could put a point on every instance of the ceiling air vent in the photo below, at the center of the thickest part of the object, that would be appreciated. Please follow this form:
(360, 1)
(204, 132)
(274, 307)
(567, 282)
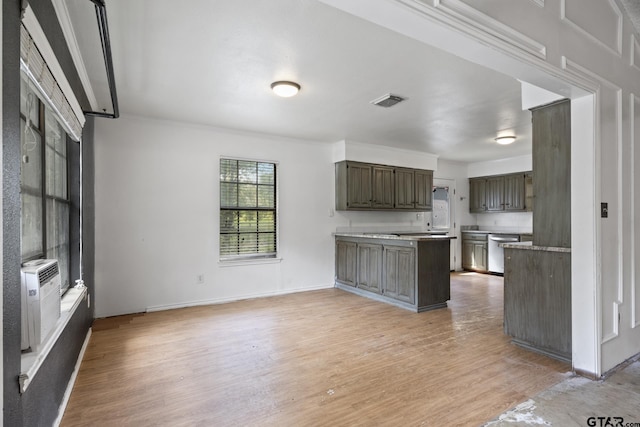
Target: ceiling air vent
(387, 100)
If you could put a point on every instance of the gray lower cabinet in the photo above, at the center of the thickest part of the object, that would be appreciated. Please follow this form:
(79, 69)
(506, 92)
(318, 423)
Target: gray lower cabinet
(346, 262)
(407, 273)
(537, 300)
(399, 273)
(475, 252)
(370, 267)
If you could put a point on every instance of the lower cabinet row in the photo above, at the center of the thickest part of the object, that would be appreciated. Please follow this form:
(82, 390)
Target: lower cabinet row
(474, 252)
(391, 272)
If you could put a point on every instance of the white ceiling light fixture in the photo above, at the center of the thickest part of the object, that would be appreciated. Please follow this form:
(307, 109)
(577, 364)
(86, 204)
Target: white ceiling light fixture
(505, 140)
(285, 89)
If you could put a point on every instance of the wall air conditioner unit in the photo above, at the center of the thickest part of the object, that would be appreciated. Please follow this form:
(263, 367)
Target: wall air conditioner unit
(40, 301)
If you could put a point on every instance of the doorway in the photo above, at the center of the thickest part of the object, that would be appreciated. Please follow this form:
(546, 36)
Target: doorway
(443, 219)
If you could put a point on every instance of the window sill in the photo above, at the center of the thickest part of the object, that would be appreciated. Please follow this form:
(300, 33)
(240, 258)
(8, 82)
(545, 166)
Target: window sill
(242, 262)
(31, 362)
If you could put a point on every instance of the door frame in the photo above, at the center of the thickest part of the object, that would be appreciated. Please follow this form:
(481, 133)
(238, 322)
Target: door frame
(453, 226)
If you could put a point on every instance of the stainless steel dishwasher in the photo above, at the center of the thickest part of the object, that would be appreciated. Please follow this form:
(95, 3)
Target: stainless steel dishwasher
(496, 253)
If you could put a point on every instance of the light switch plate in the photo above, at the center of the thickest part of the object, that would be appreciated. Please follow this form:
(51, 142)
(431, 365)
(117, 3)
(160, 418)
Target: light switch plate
(604, 210)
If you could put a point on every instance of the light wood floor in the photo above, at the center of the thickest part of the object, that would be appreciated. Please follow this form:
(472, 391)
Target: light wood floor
(321, 358)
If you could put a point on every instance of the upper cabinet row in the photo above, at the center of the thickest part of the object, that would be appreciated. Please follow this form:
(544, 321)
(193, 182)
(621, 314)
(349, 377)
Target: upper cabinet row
(364, 186)
(501, 193)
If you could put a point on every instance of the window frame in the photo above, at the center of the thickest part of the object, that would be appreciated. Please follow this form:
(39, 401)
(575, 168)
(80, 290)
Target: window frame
(45, 196)
(256, 256)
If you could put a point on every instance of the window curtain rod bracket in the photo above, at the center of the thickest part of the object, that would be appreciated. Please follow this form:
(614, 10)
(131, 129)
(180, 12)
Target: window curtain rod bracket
(103, 27)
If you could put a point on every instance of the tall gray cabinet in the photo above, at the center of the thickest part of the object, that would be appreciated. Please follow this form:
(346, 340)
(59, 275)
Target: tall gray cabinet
(552, 175)
(537, 278)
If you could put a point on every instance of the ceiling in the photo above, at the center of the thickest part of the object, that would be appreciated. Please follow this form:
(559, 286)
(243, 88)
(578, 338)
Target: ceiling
(212, 63)
(632, 8)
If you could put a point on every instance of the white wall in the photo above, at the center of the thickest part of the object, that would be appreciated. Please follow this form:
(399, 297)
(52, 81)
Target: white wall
(500, 166)
(391, 156)
(157, 216)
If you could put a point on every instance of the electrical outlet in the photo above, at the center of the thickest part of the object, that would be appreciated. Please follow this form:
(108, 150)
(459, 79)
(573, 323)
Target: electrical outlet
(200, 279)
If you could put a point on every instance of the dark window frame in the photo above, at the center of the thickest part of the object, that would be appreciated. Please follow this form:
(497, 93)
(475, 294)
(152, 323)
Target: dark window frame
(44, 195)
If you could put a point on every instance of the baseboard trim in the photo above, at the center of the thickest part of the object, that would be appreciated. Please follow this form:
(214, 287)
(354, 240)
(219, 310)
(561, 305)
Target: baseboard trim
(72, 380)
(620, 366)
(549, 353)
(234, 298)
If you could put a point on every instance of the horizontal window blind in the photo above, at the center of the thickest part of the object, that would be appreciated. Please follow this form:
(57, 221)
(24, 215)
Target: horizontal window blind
(247, 209)
(35, 67)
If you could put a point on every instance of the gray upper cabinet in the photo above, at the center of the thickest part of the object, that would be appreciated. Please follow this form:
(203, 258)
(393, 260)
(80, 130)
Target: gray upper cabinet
(405, 189)
(359, 186)
(477, 195)
(497, 193)
(382, 187)
(514, 192)
(551, 147)
(424, 189)
(414, 189)
(363, 186)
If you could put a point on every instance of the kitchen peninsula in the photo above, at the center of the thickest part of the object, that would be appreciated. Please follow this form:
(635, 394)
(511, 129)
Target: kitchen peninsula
(409, 270)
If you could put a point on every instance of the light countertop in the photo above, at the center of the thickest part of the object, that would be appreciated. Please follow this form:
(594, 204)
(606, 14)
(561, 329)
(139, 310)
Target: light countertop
(500, 231)
(417, 236)
(530, 247)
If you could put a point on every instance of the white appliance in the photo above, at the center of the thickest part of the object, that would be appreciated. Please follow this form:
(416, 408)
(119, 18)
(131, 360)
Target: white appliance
(496, 253)
(40, 301)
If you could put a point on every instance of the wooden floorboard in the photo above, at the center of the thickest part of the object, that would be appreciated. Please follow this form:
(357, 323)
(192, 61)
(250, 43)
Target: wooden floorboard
(315, 358)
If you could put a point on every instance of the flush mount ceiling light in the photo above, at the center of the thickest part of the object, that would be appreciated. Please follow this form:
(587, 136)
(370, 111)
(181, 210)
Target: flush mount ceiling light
(284, 88)
(505, 140)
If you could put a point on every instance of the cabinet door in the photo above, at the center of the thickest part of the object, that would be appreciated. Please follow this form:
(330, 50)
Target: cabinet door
(480, 259)
(551, 135)
(424, 189)
(370, 267)
(404, 189)
(467, 255)
(346, 262)
(477, 195)
(514, 192)
(399, 273)
(358, 185)
(495, 193)
(382, 187)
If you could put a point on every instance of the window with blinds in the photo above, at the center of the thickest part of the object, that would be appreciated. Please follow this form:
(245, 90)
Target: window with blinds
(43, 183)
(247, 209)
